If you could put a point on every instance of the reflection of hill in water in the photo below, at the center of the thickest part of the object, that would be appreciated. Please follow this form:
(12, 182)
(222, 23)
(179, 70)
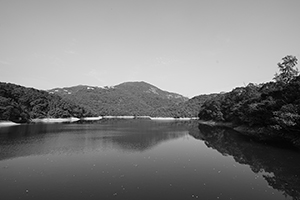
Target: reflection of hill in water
(123, 135)
(281, 163)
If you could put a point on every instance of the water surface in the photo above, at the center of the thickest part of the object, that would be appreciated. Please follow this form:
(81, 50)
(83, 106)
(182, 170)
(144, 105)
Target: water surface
(142, 159)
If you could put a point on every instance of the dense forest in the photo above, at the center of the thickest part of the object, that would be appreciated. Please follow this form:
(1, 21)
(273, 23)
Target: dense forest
(133, 98)
(21, 104)
(267, 111)
(129, 98)
(189, 108)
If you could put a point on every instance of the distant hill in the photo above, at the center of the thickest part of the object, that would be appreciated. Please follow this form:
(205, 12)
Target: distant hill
(21, 104)
(129, 98)
(189, 108)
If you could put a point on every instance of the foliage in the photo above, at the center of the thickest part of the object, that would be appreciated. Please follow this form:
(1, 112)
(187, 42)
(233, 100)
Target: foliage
(287, 69)
(188, 108)
(273, 106)
(130, 98)
(21, 104)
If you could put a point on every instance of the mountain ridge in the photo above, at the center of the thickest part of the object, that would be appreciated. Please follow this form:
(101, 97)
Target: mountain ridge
(22, 104)
(128, 98)
(123, 85)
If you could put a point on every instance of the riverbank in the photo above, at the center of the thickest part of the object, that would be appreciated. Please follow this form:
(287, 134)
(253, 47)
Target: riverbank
(55, 120)
(7, 123)
(73, 119)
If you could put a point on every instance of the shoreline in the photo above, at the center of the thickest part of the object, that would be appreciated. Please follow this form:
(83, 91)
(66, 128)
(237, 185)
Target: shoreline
(8, 123)
(55, 120)
(74, 119)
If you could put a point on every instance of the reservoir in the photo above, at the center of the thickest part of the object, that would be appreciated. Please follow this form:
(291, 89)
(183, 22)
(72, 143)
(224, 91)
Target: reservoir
(142, 159)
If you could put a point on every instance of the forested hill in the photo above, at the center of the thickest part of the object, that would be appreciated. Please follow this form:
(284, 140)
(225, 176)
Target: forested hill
(21, 104)
(266, 111)
(189, 108)
(129, 98)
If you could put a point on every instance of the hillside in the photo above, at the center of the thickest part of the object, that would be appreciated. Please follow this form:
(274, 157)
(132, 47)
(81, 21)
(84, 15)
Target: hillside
(269, 111)
(189, 108)
(21, 104)
(129, 98)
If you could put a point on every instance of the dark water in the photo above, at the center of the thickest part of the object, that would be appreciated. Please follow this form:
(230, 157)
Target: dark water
(140, 159)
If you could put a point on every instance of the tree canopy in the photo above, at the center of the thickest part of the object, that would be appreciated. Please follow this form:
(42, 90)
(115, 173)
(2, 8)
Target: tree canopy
(273, 107)
(287, 69)
(21, 104)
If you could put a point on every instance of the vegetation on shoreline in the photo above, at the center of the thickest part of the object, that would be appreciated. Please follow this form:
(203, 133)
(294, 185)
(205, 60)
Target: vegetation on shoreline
(129, 98)
(133, 99)
(188, 108)
(20, 104)
(267, 111)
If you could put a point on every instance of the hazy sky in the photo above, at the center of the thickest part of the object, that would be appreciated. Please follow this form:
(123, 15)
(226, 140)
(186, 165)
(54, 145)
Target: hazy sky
(190, 47)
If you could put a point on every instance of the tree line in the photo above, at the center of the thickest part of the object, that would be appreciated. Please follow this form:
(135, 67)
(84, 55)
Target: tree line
(270, 110)
(20, 104)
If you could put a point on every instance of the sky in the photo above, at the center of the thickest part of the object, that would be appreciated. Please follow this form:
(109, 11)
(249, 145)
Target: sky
(190, 47)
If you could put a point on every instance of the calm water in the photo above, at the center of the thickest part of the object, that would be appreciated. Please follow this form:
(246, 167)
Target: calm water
(140, 159)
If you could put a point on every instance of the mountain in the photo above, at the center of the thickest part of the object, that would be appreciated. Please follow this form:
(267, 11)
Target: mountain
(189, 108)
(144, 90)
(21, 104)
(129, 98)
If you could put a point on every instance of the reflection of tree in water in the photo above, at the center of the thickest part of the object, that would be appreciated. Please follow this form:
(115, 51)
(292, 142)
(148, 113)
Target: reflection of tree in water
(124, 135)
(281, 164)
(139, 135)
(142, 135)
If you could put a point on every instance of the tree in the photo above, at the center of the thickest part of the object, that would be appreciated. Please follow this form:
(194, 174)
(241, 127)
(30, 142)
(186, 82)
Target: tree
(20, 104)
(287, 69)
